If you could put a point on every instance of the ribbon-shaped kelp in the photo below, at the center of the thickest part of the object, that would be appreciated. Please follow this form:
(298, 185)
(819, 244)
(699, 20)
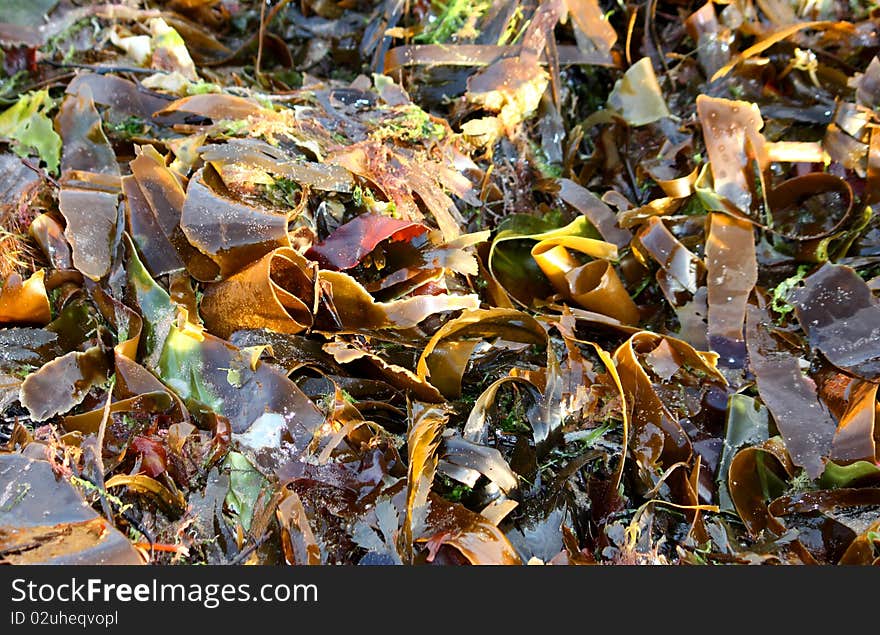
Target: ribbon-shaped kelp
(447, 354)
(657, 437)
(842, 319)
(803, 421)
(674, 170)
(760, 486)
(443, 363)
(422, 439)
(218, 107)
(285, 292)
(747, 424)
(89, 195)
(732, 271)
(397, 376)
(731, 130)
(548, 266)
(810, 207)
(679, 277)
(595, 210)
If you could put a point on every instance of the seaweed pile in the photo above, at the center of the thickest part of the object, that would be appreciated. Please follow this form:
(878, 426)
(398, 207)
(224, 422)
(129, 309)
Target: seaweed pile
(462, 282)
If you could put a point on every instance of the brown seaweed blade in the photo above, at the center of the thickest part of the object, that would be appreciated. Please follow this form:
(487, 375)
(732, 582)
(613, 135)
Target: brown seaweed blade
(25, 302)
(277, 293)
(62, 383)
(732, 130)
(841, 319)
(472, 534)
(159, 254)
(676, 261)
(757, 473)
(165, 195)
(231, 233)
(90, 207)
(732, 272)
(422, 441)
(600, 215)
(658, 439)
(91, 228)
(803, 420)
(44, 520)
(855, 438)
(123, 96)
(599, 36)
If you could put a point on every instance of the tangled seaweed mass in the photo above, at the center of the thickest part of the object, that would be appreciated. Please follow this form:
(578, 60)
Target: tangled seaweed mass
(462, 282)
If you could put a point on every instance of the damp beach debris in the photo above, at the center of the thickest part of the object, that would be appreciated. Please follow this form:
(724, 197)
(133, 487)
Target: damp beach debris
(439, 283)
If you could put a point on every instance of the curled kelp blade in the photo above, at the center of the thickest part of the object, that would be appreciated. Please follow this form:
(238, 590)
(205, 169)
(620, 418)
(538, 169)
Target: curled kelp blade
(398, 376)
(508, 324)
(165, 194)
(599, 214)
(594, 285)
(44, 520)
(656, 431)
(511, 255)
(356, 309)
(144, 404)
(811, 206)
(472, 534)
(675, 260)
(757, 475)
(298, 539)
(25, 301)
(281, 292)
(856, 436)
(423, 439)
(747, 424)
(276, 292)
